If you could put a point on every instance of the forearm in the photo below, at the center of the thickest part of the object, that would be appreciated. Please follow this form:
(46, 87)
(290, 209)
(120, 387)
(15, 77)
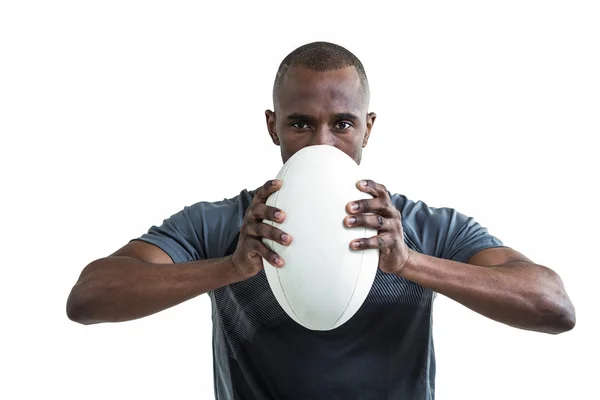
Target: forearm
(519, 294)
(116, 289)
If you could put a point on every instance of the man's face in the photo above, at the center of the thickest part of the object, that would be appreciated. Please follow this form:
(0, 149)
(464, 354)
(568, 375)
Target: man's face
(320, 108)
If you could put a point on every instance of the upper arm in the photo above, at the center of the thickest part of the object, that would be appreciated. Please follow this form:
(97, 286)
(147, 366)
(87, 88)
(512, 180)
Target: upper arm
(201, 231)
(444, 232)
(176, 238)
(144, 251)
(497, 256)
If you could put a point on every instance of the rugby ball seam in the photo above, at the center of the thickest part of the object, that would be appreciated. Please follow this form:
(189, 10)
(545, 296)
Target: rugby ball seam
(358, 275)
(273, 246)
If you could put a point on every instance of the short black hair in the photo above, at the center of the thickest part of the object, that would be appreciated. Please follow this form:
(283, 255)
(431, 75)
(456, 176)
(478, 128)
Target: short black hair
(321, 56)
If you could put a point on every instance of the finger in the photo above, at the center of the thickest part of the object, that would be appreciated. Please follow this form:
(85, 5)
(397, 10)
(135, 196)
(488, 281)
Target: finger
(263, 193)
(373, 188)
(258, 247)
(374, 221)
(261, 211)
(385, 243)
(262, 230)
(378, 205)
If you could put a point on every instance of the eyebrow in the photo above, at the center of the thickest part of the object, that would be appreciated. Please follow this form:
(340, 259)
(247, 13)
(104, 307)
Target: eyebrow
(344, 115)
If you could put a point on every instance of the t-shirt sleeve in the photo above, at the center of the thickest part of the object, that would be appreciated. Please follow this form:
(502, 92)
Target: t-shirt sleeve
(443, 232)
(202, 231)
(465, 237)
(177, 237)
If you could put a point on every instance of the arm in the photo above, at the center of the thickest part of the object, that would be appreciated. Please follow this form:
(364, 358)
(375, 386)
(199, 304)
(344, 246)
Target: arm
(497, 282)
(139, 280)
(500, 284)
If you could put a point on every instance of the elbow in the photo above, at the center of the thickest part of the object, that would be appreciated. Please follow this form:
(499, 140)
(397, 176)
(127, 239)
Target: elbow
(78, 309)
(568, 322)
(556, 320)
(82, 303)
(564, 319)
(556, 312)
(75, 308)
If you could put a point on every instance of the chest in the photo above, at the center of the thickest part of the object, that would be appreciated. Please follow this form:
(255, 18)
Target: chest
(253, 297)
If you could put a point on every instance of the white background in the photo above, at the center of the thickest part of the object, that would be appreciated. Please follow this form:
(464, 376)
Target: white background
(116, 114)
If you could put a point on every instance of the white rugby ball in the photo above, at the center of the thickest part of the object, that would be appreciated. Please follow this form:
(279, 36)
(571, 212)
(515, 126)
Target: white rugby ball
(323, 282)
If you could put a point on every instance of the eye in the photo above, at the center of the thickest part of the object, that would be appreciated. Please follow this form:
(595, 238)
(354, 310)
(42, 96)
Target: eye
(299, 125)
(343, 125)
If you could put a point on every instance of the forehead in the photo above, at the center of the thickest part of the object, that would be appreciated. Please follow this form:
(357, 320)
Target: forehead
(316, 92)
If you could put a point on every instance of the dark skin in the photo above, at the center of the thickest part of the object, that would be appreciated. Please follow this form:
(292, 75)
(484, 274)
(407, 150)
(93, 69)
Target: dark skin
(322, 108)
(500, 283)
(328, 108)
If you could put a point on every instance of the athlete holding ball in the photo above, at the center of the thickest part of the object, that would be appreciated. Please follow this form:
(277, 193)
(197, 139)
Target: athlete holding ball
(385, 351)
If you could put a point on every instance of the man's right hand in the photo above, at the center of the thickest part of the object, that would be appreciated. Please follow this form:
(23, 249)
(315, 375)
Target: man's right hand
(250, 251)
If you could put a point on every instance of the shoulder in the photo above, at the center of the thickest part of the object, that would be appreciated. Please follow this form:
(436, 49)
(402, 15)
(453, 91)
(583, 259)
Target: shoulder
(222, 211)
(441, 231)
(202, 230)
(418, 213)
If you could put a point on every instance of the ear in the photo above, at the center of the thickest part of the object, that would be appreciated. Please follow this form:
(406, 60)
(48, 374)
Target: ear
(370, 121)
(270, 115)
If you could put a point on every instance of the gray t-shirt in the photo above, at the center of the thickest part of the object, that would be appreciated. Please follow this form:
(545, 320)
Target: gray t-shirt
(385, 351)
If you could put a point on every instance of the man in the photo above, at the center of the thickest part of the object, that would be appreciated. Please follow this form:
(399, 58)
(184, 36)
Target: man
(321, 96)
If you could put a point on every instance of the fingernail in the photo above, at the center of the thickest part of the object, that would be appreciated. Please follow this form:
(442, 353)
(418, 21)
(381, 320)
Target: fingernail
(278, 261)
(355, 245)
(354, 206)
(274, 182)
(277, 215)
(351, 220)
(363, 183)
(284, 238)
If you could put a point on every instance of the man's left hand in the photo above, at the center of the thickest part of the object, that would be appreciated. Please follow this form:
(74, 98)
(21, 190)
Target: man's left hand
(379, 213)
